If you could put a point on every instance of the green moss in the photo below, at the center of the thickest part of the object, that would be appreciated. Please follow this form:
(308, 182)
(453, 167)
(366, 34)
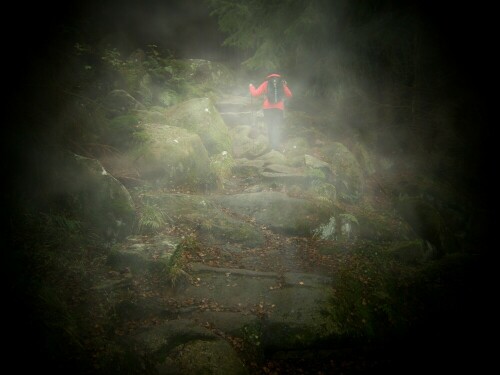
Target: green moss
(201, 117)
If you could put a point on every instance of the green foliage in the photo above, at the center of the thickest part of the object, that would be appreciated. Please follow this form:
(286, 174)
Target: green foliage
(316, 174)
(277, 34)
(259, 27)
(152, 218)
(323, 192)
(127, 69)
(366, 58)
(195, 78)
(350, 218)
(175, 266)
(137, 72)
(267, 56)
(235, 19)
(113, 58)
(326, 231)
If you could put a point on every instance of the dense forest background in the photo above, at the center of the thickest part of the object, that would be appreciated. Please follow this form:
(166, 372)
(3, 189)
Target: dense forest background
(415, 71)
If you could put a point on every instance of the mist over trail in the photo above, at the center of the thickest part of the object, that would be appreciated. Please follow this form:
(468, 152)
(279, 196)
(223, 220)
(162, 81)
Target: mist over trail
(269, 262)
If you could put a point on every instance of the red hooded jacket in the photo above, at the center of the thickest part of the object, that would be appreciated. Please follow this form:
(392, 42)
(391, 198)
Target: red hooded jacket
(263, 89)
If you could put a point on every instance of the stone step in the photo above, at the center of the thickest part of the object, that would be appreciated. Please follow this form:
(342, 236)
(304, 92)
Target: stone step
(280, 311)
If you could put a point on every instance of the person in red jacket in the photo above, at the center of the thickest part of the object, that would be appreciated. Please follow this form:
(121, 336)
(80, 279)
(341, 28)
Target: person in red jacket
(273, 106)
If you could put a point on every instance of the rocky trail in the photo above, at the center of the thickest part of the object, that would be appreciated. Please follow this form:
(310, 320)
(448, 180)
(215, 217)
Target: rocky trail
(246, 295)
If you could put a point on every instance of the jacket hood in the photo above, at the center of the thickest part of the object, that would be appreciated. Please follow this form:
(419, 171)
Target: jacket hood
(273, 75)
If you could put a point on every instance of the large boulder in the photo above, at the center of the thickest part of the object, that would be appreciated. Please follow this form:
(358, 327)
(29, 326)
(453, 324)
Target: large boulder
(201, 117)
(348, 174)
(96, 198)
(214, 226)
(172, 156)
(248, 142)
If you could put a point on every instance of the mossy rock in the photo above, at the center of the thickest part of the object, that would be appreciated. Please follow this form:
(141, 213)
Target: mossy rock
(172, 156)
(201, 117)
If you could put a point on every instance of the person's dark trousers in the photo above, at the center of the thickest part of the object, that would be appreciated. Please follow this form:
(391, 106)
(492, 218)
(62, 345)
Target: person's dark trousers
(274, 121)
